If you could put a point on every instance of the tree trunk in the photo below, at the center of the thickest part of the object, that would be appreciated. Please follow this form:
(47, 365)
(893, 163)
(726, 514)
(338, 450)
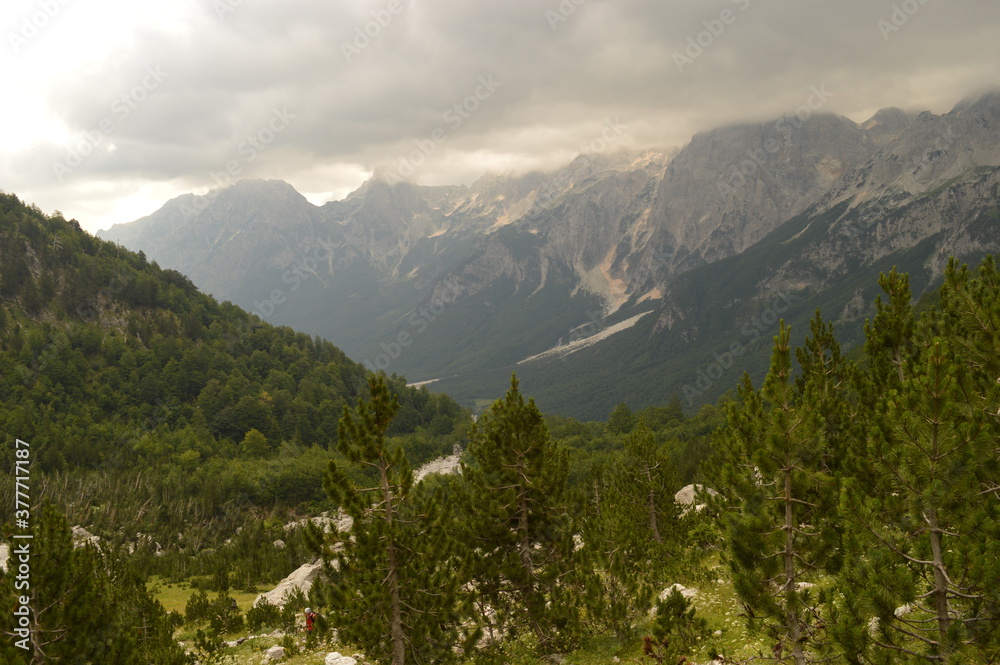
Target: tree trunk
(652, 509)
(940, 594)
(392, 577)
(534, 604)
(524, 544)
(791, 608)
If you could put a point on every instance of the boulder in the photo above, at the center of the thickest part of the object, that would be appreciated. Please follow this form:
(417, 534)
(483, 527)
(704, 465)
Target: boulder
(302, 578)
(686, 592)
(443, 465)
(686, 497)
(280, 544)
(336, 659)
(274, 654)
(4, 556)
(342, 522)
(83, 537)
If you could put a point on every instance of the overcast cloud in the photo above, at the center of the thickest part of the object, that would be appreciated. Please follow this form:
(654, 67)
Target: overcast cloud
(111, 107)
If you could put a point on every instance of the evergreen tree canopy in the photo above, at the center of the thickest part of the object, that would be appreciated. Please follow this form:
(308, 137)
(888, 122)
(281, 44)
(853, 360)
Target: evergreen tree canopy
(518, 526)
(395, 592)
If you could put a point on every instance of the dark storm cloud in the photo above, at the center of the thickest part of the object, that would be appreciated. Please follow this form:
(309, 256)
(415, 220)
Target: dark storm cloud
(364, 82)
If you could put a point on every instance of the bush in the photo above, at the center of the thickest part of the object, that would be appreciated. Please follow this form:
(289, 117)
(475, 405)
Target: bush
(676, 631)
(208, 646)
(224, 615)
(198, 608)
(295, 602)
(291, 646)
(264, 614)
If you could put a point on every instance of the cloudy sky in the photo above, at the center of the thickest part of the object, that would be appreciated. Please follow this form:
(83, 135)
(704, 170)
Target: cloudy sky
(111, 107)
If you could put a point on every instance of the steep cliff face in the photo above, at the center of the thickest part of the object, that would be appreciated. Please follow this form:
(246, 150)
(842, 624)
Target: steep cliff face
(515, 265)
(734, 186)
(220, 238)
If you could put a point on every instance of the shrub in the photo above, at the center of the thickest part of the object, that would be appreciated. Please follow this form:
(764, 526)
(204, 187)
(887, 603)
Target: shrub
(197, 608)
(264, 614)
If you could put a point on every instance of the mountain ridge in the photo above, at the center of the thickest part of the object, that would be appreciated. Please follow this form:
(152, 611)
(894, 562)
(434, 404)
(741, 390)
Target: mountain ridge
(535, 256)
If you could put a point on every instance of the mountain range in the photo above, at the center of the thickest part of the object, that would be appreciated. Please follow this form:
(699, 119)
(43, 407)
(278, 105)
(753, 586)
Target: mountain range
(625, 276)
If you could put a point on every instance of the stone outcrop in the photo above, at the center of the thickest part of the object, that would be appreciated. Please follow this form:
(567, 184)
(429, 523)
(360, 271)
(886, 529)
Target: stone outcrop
(684, 591)
(83, 537)
(686, 497)
(443, 465)
(302, 578)
(342, 522)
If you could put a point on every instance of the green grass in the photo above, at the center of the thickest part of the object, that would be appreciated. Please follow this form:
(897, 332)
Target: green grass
(174, 597)
(715, 601)
(718, 604)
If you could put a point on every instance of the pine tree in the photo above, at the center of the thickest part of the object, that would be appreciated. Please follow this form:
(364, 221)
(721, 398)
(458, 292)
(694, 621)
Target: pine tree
(829, 383)
(621, 420)
(646, 482)
(772, 467)
(920, 580)
(889, 338)
(523, 561)
(970, 312)
(395, 593)
(83, 606)
(635, 529)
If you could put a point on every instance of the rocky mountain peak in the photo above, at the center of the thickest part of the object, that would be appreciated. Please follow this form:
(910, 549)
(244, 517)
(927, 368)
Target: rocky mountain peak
(929, 151)
(887, 124)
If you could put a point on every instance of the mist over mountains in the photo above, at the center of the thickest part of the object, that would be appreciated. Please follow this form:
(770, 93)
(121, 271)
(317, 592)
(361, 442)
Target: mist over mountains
(628, 276)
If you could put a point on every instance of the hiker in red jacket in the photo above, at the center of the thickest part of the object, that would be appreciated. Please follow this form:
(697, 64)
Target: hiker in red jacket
(310, 619)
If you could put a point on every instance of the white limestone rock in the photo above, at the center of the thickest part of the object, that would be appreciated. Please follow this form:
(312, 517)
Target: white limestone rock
(301, 578)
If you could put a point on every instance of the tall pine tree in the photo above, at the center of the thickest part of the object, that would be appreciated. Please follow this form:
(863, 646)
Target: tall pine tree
(774, 475)
(524, 561)
(633, 528)
(920, 580)
(395, 592)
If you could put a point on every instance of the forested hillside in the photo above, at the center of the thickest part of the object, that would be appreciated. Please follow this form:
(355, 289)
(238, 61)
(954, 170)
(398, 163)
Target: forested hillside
(149, 404)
